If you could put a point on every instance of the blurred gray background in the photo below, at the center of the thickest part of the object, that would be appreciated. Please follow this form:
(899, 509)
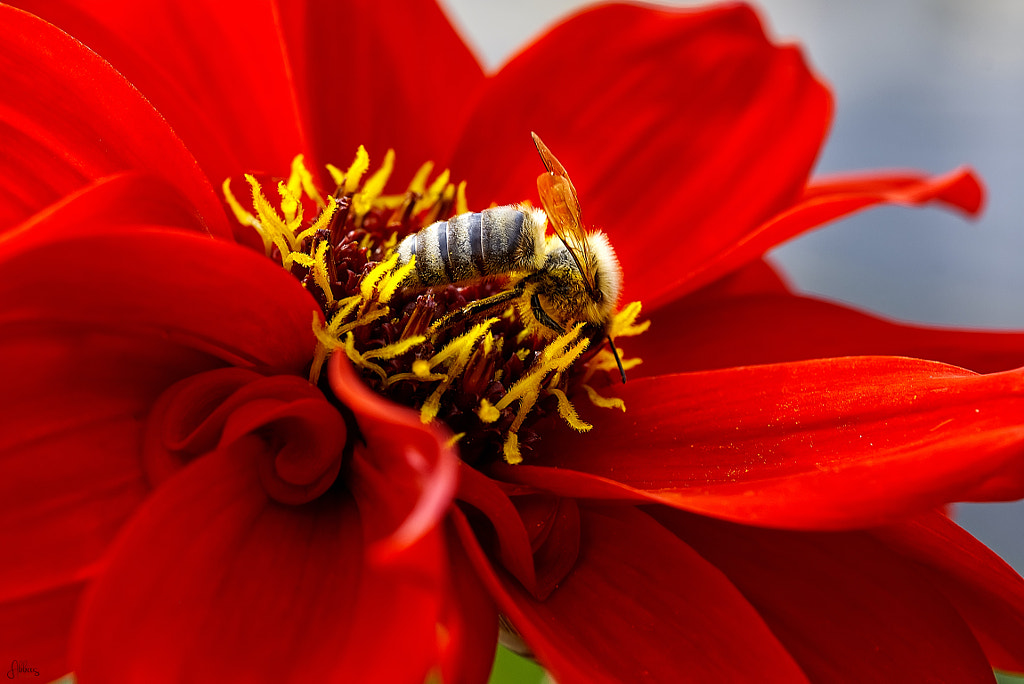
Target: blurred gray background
(927, 84)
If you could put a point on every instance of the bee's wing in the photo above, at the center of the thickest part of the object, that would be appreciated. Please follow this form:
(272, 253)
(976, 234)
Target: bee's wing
(563, 209)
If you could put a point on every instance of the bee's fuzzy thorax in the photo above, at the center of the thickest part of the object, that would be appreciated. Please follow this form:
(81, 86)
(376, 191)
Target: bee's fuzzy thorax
(607, 272)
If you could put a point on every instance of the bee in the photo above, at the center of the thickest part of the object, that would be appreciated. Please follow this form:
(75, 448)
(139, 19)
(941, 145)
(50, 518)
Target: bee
(560, 280)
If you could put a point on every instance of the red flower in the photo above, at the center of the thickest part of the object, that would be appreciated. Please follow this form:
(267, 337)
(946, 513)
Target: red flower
(179, 503)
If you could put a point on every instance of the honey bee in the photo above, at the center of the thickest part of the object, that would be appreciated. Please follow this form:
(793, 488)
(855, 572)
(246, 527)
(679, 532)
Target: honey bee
(568, 278)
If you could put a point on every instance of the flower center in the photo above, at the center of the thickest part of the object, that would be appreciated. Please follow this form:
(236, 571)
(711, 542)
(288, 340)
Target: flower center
(473, 352)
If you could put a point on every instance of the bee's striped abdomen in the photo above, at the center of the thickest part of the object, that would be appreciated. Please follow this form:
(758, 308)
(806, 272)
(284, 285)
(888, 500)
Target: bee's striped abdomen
(474, 245)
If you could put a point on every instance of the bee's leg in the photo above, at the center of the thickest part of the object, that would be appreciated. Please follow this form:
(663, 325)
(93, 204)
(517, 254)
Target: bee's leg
(474, 308)
(542, 316)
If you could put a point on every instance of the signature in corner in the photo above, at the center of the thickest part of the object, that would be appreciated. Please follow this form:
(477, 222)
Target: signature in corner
(20, 667)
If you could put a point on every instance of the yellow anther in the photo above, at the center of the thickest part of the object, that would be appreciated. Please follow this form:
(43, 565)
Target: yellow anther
(454, 439)
(568, 412)
(376, 274)
(270, 222)
(511, 449)
(337, 175)
(418, 184)
(301, 181)
(555, 358)
(523, 353)
(605, 361)
(421, 368)
(456, 354)
(487, 412)
(461, 205)
(624, 322)
(603, 402)
(396, 349)
(322, 221)
(243, 216)
(391, 282)
(362, 202)
(438, 186)
(361, 360)
(433, 193)
(291, 206)
(319, 270)
(355, 172)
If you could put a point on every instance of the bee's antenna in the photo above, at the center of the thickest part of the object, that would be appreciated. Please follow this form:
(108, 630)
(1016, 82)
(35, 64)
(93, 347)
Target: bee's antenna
(615, 353)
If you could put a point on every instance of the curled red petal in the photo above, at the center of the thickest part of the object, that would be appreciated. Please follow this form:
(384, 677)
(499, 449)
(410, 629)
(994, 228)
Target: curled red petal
(717, 334)
(987, 592)
(212, 581)
(408, 471)
(828, 444)
(218, 73)
(687, 129)
(845, 606)
(71, 118)
(640, 604)
(358, 69)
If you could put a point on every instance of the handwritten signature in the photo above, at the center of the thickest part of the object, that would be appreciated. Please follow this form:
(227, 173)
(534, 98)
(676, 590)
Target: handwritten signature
(19, 667)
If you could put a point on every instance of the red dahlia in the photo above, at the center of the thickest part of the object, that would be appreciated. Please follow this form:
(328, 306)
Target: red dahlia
(181, 503)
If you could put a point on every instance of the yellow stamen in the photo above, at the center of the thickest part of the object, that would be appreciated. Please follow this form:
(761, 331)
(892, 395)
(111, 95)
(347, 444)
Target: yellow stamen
(568, 412)
(487, 412)
(376, 274)
(271, 225)
(291, 205)
(603, 402)
(624, 323)
(418, 184)
(337, 175)
(320, 275)
(243, 216)
(455, 355)
(555, 358)
(362, 201)
(461, 205)
(433, 193)
(355, 172)
(301, 181)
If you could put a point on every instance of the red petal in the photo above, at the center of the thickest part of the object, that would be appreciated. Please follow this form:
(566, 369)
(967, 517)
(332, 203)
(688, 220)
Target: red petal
(217, 72)
(959, 189)
(35, 632)
(742, 331)
(986, 591)
(511, 540)
(360, 72)
(70, 474)
(681, 128)
(71, 119)
(640, 605)
(200, 293)
(845, 606)
(213, 582)
(408, 469)
(826, 444)
(469, 636)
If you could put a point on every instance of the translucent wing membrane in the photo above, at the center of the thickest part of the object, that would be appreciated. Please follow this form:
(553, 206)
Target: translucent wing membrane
(563, 209)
